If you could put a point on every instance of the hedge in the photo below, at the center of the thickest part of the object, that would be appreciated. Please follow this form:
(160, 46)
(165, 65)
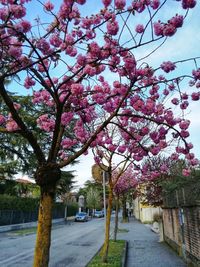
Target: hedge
(16, 203)
(15, 210)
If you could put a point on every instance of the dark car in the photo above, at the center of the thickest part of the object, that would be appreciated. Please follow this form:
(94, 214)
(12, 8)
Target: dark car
(81, 217)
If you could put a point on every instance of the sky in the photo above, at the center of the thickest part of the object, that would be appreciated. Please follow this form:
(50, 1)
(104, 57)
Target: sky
(184, 44)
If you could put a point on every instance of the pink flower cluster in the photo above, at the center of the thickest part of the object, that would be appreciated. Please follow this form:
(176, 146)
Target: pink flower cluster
(2, 119)
(29, 82)
(188, 4)
(168, 29)
(139, 28)
(46, 123)
(168, 66)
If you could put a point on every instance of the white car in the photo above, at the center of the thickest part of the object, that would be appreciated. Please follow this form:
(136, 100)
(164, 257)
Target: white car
(99, 213)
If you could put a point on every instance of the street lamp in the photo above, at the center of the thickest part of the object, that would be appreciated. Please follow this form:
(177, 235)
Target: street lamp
(104, 194)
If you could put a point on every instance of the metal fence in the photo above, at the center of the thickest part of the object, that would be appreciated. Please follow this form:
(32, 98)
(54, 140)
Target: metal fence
(186, 196)
(15, 217)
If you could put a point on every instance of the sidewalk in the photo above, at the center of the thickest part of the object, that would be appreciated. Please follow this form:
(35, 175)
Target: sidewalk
(144, 250)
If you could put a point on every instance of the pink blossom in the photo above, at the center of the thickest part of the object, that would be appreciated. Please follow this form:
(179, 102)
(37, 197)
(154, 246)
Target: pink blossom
(196, 74)
(67, 143)
(43, 46)
(184, 104)
(195, 96)
(11, 125)
(46, 123)
(4, 13)
(158, 28)
(194, 162)
(184, 134)
(121, 149)
(112, 148)
(29, 82)
(184, 124)
(184, 96)
(168, 66)
(186, 172)
(24, 26)
(48, 6)
(120, 4)
(106, 2)
(66, 118)
(155, 150)
(55, 40)
(2, 119)
(177, 21)
(175, 101)
(81, 2)
(112, 27)
(155, 4)
(77, 88)
(81, 60)
(139, 28)
(18, 11)
(188, 4)
(169, 30)
(17, 106)
(174, 156)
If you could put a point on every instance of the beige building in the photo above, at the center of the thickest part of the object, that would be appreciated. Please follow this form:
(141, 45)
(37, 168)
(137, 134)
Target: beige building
(144, 212)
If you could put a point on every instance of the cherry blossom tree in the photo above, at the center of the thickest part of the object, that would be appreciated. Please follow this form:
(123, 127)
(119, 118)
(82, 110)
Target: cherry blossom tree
(105, 159)
(76, 66)
(127, 181)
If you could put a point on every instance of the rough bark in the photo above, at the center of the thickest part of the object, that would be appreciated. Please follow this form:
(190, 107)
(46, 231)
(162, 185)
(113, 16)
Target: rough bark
(46, 177)
(124, 212)
(43, 241)
(116, 218)
(105, 248)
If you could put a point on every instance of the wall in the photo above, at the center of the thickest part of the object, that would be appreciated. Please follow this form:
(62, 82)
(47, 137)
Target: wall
(182, 232)
(144, 213)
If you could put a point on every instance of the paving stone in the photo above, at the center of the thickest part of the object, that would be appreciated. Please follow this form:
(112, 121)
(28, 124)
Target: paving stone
(144, 248)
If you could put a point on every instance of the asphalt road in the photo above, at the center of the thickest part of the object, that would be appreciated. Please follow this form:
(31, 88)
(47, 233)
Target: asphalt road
(72, 245)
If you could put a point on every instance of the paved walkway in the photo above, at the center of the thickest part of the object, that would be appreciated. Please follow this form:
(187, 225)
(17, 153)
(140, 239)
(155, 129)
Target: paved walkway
(144, 250)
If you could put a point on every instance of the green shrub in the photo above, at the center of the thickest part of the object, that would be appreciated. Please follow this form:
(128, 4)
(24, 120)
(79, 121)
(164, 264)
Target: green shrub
(16, 203)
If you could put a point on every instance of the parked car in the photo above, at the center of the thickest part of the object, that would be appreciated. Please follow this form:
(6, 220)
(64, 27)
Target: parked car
(99, 213)
(81, 217)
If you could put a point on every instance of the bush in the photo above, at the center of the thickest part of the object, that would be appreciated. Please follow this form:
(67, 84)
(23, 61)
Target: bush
(157, 217)
(72, 209)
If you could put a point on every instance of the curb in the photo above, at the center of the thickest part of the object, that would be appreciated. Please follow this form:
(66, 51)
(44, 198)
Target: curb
(94, 256)
(124, 256)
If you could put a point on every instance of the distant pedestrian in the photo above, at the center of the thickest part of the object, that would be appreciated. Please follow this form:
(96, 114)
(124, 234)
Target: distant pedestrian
(130, 213)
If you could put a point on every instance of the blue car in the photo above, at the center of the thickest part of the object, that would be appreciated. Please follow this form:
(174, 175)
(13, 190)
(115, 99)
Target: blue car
(81, 217)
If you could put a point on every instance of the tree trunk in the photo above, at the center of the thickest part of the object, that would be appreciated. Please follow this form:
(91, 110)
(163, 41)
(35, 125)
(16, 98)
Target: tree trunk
(104, 252)
(124, 212)
(43, 241)
(116, 218)
(46, 178)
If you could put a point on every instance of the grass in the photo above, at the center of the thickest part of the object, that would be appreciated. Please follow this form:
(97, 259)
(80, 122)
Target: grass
(115, 253)
(27, 231)
(122, 230)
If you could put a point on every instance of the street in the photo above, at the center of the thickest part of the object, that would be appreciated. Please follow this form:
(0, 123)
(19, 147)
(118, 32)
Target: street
(72, 245)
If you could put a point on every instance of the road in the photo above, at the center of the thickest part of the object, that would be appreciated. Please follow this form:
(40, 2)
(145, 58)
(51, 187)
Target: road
(73, 245)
